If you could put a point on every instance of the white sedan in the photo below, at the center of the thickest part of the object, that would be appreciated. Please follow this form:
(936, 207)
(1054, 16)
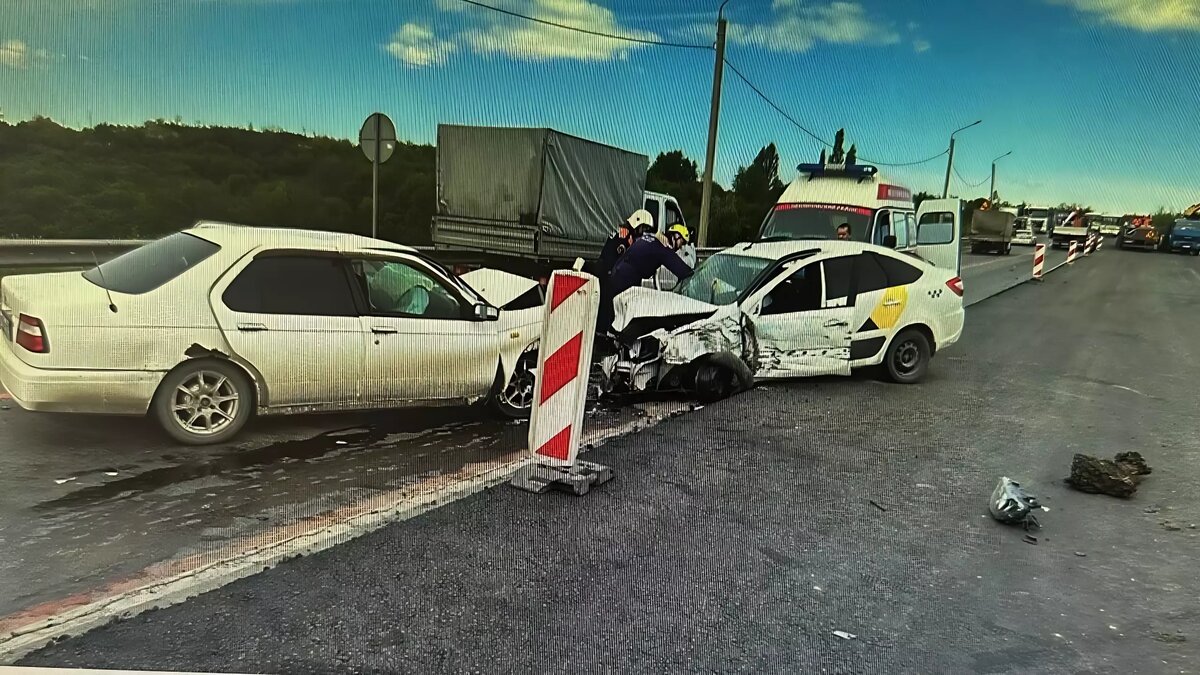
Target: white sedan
(205, 327)
(771, 310)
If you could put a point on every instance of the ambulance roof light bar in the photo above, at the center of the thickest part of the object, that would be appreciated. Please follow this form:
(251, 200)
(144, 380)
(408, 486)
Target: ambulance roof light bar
(859, 171)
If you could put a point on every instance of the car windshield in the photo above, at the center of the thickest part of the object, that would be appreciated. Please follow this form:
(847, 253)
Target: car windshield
(722, 278)
(816, 221)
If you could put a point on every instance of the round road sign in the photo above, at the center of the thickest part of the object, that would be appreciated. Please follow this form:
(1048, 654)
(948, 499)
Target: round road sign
(377, 138)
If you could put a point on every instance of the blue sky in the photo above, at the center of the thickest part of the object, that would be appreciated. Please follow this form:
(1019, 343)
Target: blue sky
(1096, 98)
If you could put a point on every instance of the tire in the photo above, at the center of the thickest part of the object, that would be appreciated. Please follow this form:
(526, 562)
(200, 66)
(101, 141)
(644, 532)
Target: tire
(908, 356)
(514, 399)
(715, 382)
(223, 398)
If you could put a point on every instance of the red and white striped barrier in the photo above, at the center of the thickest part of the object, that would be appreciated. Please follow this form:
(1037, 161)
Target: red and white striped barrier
(1071, 253)
(1039, 260)
(560, 389)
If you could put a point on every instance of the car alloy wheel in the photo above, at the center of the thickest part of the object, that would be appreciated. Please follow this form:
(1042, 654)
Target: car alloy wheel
(515, 398)
(204, 401)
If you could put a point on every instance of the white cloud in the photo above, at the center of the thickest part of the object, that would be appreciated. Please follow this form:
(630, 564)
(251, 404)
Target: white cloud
(1144, 15)
(417, 45)
(797, 26)
(14, 54)
(921, 46)
(494, 33)
(523, 39)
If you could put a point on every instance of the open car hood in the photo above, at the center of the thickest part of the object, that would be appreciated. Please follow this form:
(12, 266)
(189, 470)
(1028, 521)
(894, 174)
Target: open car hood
(497, 287)
(641, 311)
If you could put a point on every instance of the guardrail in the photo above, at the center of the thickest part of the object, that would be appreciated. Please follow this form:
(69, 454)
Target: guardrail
(18, 253)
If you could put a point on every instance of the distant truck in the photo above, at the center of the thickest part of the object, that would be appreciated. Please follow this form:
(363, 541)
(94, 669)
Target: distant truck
(1074, 228)
(1185, 234)
(1040, 218)
(532, 200)
(1138, 232)
(988, 229)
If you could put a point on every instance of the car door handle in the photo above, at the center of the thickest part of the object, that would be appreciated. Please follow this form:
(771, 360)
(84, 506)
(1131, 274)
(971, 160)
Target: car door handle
(252, 326)
(836, 324)
(382, 329)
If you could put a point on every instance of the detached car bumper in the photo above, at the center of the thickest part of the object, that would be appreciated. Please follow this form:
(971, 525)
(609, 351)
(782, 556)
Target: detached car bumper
(107, 392)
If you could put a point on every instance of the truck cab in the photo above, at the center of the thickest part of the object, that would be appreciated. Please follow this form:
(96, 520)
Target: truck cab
(665, 211)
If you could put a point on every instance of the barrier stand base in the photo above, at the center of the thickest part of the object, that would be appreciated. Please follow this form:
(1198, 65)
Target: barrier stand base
(579, 479)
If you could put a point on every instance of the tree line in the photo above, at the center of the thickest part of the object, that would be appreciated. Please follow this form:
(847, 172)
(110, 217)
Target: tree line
(112, 181)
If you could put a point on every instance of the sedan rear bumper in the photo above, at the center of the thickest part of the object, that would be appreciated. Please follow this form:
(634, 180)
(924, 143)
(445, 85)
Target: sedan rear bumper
(107, 392)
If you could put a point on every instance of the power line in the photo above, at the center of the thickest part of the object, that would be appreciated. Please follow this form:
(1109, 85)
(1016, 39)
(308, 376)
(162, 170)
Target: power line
(812, 134)
(626, 38)
(967, 182)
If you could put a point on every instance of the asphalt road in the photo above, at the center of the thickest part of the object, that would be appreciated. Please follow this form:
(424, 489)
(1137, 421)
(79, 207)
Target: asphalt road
(90, 501)
(739, 537)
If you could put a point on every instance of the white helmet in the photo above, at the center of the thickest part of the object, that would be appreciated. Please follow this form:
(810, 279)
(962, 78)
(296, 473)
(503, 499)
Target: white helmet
(640, 218)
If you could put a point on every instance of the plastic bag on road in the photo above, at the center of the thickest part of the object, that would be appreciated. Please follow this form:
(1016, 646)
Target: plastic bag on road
(1012, 505)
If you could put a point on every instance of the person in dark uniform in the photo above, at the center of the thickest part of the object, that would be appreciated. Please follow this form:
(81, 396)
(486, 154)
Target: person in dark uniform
(642, 261)
(620, 242)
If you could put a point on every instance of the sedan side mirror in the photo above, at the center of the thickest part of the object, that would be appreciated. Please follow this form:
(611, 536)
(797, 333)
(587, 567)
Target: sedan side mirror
(890, 241)
(485, 312)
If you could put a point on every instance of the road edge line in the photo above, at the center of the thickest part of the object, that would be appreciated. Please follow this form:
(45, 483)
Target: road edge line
(356, 520)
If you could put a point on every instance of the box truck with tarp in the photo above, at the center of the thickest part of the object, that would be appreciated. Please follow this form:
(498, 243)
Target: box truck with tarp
(531, 200)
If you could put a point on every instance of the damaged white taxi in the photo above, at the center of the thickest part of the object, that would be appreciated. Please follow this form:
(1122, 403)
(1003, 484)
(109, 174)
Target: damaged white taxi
(205, 327)
(784, 309)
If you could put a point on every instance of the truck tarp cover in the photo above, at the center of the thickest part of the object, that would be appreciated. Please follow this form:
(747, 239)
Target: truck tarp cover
(991, 223)
(501, 173)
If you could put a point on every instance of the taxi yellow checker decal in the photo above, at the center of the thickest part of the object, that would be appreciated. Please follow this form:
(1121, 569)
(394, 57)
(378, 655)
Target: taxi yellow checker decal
(889, 308)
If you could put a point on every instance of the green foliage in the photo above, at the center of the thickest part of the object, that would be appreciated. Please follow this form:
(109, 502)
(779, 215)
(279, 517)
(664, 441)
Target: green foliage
(141, 182)
(145, 181)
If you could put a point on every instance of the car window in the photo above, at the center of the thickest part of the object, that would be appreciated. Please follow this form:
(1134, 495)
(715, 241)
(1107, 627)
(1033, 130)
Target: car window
(883, 227)
(673, 216)
(871, 276)
(147, 267)
(838, 274)
(935, 228)
(899, 273)
(799, 292)
(652, 207)
(900, 228)
(911, 221)
(292, 284)
(396, 288)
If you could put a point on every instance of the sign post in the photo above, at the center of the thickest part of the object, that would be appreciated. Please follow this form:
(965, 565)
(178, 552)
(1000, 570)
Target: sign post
(377, 138)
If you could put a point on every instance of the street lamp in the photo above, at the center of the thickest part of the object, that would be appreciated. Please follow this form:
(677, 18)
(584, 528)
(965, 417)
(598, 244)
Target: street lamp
(714, 113)
(992, 189)
(950, 160)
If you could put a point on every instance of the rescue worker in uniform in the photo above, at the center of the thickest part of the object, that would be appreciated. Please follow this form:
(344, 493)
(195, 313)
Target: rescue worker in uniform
(642, 261)
(620, 242)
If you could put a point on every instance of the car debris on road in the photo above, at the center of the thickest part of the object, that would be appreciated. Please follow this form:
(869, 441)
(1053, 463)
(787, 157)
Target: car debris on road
(1118, 477)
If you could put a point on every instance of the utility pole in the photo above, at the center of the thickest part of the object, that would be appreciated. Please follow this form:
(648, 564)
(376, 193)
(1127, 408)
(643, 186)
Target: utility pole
(950, 159)
(714, 114)
(992, 189)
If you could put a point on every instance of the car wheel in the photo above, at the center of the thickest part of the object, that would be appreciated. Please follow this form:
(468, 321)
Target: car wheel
(715, 382)
(203, 402)
(515, 398)
(907, 358)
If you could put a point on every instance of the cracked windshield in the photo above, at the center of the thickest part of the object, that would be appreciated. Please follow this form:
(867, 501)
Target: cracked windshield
(444, 336)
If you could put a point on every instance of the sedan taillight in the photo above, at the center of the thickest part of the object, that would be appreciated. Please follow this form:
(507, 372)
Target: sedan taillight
(956, 285)
(31, 334)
